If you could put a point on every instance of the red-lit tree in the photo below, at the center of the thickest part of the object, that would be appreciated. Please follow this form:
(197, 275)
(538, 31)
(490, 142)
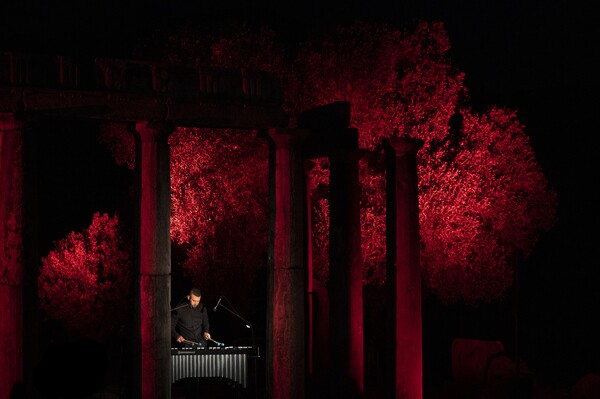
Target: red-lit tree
(120, 142)
(219, 199)
(85, 280)
(219, 192)
(482, 195)
(479, 205)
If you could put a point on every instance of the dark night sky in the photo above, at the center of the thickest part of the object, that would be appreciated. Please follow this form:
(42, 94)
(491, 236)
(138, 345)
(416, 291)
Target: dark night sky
(536, 56)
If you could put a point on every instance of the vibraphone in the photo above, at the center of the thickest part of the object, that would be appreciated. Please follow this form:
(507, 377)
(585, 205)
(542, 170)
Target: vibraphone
(230, 362)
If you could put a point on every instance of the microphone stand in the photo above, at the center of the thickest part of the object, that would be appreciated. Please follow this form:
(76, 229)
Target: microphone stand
(233, 312)
(248, 325)
(183, 305)
(179, 307)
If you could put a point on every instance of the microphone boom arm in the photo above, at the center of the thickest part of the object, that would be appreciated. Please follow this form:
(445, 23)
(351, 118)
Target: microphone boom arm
(248, 324)
(179, 307)
(236, 314)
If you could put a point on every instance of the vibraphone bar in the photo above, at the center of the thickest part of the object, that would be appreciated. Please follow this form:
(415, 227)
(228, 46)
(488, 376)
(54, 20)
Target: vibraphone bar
(229, 362)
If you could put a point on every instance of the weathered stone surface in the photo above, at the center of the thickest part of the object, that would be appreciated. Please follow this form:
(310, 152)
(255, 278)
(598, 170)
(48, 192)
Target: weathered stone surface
(133, 90)
(331, 116)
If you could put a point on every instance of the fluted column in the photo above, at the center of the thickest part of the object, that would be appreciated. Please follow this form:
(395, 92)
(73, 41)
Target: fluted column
(153, 245)
(286, 366)
(403, 274)
(11, 250)
(345, 271)
(308, 166)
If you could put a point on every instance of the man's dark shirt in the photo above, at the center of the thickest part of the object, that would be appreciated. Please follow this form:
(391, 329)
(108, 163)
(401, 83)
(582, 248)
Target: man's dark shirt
(190, 323)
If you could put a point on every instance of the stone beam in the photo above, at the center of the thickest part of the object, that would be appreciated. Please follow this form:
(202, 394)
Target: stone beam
(133, 90)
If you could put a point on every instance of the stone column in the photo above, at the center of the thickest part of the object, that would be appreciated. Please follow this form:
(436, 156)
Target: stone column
(345, 271)
(308, 166)
(11, 251)
(286, 367)
(153, 246)
(403, 274)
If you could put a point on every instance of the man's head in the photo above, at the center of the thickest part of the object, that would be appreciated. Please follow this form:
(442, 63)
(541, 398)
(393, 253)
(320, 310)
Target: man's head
(194, 297)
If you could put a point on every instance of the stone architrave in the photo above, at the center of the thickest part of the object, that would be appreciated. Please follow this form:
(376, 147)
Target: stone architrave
(154, 246)
(286, 341)
(403, 274)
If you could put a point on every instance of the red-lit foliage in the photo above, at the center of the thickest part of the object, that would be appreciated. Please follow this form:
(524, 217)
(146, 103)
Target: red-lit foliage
(219, 200)
(398, 85)
(219, 191)
(235, 46)
(85, 280)
(482, 195)
(479, 205)
(120, 142)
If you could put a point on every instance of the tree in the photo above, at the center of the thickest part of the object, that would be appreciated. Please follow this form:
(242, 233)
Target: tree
(85, 280)
(482, 195)
(219, 202)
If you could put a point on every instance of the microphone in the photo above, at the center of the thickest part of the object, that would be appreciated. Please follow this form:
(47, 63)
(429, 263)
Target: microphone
(217, 305)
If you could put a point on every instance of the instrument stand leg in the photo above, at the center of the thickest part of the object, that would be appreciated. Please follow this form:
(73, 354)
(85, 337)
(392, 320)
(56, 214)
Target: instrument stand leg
(255, 373)
(192, 390)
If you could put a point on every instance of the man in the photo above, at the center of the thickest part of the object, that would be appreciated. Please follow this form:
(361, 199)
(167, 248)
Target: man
(189, 325)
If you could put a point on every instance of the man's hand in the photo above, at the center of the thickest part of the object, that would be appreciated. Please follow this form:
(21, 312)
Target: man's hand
(207, 336)
(180, 339)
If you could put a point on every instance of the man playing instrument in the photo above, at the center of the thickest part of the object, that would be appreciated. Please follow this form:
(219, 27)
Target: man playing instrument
(189, 324)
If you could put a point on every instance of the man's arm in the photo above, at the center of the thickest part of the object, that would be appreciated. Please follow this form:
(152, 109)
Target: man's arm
(205, 325)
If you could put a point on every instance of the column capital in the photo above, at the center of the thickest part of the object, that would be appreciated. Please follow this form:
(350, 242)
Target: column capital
(8, 122)
(346, 154)
(285, 137)
(401, 146)
(323, 142)
(334, 115)
(151, 131)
